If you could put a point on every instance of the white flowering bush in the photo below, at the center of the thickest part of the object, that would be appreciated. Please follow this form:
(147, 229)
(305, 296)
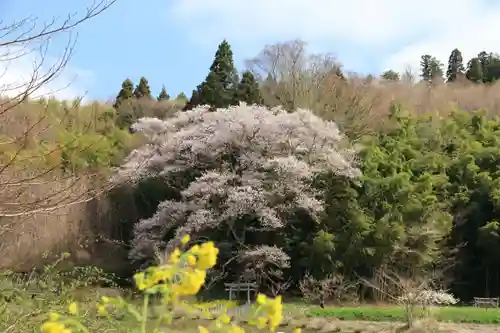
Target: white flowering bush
(242, 169)
(428, 298)
(423, 298)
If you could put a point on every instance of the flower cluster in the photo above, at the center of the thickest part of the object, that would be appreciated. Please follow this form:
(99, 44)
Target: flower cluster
(429, 297)
(276, 153)
(271, 312)
(183, 274)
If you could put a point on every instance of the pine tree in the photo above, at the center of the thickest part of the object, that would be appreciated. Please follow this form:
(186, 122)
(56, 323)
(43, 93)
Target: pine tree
(126, 92)
(195, 99)
(475, 70)
(163, 96)
(218, 89)
(425, 67)
(455, 66)
(248, 90)
(142, 89)
(181, 97)
(390, 75)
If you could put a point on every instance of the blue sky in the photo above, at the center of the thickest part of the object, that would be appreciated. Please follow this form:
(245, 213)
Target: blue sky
(172, 42)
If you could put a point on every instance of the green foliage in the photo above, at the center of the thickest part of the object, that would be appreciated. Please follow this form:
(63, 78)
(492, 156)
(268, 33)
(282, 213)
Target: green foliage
(248, 90)
(126, 92)
(163, 96)
(475, 71)
(218, 89)
(390, 75)
(181, 97)
(430, 68)
(142, 90)
(72, 138)
(455, 66)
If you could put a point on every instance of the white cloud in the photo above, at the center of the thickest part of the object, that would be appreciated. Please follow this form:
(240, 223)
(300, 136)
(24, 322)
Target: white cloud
(400, 31)
(17, 72)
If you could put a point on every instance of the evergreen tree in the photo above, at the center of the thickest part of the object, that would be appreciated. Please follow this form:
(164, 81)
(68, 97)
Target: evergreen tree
(455, 66)
(163, 96)
(484, 59)
(390, 75)
(142, 89)
(431, 69)
(218, 89)
(475, 70)
(491, 66)
(425, 67)
(436, 68)
(248, 90)
(181, 97)
(126, 92)
(195, 99)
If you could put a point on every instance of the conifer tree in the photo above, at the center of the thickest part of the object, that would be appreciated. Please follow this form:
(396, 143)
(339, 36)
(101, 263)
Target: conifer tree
(181, 97)
(126, 92)
(248, 90)
(163, 96)
(431, 69)
(425, 67)
(142, 89)
(455, 66)
(436, 68)
(218, 89)
(195, 99)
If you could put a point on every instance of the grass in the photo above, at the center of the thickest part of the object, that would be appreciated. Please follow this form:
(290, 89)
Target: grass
(464, 315)
(25, 314)
(24, 305)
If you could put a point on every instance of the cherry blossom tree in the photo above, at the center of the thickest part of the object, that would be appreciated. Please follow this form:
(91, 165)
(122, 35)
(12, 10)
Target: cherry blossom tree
(240, 170)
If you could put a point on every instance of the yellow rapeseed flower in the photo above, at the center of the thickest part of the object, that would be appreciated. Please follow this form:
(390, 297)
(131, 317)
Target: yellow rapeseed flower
(297, 330)
(207, 256)
(237, 329)
(185, 239)
(175, 257)
(202, 329)
(54, 316)
(52, 327)
(261, 299)
(224, 318)
(191, 283)
(101, 309)
(140, 281)
(191, 260)
(73, 309)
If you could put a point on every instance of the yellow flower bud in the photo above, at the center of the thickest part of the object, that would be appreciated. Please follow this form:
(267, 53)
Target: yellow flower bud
(73, 309)
(185, 239)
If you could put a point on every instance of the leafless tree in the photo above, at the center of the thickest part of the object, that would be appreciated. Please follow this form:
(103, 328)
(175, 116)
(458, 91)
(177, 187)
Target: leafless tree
(333, 286)
(292, 77)
(27, 189)
(411, 291)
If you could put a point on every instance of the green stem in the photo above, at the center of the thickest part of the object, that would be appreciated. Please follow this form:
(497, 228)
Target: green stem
(144, 318)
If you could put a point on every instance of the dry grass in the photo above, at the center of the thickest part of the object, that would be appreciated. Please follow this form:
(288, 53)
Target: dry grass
(362, 107)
